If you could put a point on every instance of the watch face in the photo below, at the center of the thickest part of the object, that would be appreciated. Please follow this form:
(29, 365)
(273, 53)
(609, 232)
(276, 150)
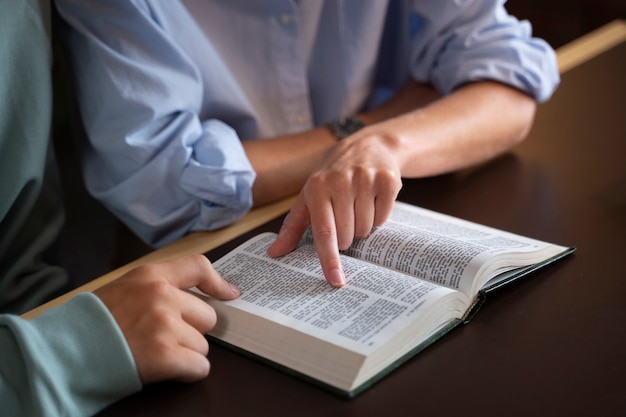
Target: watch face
(352, 124)
(346, 126)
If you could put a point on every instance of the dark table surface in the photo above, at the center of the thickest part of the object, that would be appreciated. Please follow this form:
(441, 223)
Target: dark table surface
(552, 344)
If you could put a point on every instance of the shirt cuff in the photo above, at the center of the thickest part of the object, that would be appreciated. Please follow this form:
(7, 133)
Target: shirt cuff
(72, 359)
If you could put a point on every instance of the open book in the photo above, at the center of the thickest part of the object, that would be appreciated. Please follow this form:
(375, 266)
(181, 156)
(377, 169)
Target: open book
(408, 283)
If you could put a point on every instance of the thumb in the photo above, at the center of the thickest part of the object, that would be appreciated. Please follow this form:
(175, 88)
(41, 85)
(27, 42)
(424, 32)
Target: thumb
(292, 229)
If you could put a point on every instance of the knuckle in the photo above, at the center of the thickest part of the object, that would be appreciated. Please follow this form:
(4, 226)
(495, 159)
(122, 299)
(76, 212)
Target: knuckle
(162, 348)
(201, 260)
(317, 180)
(161, 319)
(390, 181)
(147, 270)
(333, 263)
(364, 177)
(159, 290)
(324, 233)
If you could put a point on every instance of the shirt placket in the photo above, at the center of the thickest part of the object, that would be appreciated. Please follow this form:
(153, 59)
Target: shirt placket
(290, 68)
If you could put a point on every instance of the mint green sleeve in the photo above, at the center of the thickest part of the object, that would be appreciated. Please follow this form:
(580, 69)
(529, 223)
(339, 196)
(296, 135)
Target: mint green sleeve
(72, 360)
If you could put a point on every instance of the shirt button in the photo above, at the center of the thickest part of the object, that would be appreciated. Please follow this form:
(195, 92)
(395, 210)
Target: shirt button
(285, 19)
(300, 119)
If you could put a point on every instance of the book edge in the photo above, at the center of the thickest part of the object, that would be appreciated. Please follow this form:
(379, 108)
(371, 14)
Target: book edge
(346, 394)
(521, 273)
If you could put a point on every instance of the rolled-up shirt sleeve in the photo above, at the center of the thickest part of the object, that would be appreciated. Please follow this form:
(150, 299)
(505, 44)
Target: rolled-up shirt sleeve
(461, 41)
(149, 157)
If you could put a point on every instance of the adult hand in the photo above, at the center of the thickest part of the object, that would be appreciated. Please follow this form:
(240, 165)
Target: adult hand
(164, 325)
(351, 192)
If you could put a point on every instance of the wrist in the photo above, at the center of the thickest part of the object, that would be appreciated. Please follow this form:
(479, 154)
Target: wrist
(344, 127)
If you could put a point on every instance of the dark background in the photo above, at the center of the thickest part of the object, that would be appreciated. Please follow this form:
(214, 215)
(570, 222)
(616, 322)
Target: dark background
(561, 21)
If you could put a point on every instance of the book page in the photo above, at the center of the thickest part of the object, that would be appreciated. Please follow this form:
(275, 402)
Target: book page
(364, 314)
(444, 249)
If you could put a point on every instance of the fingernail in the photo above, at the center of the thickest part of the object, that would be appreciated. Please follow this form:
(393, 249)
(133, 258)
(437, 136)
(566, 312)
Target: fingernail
(337, 278)
(233, 288)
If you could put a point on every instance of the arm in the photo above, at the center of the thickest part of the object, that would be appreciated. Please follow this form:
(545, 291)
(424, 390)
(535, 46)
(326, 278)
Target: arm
(93, 350)
(354, 186)
(139, 329)
(475, 123)
(148, 155)
(283, 164)
(152, 159)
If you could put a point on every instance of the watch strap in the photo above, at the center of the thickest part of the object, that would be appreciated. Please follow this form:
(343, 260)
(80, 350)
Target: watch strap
(345, 127)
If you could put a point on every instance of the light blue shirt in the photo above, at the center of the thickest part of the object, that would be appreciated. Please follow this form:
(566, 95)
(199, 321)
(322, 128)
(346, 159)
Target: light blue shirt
(169, 89)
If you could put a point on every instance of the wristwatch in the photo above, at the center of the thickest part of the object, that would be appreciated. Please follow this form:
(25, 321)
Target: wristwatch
(344, 127)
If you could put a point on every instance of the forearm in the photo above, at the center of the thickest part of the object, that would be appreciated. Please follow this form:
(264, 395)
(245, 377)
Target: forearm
(443, 134)
(411, 96)
(473, 124)
(283, 164)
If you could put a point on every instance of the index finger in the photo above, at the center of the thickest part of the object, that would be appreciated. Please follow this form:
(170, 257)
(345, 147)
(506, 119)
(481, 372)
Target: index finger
(325, 239)
(197, 271)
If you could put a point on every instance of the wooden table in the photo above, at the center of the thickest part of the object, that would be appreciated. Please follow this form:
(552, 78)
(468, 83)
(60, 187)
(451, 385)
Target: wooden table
(553, 344)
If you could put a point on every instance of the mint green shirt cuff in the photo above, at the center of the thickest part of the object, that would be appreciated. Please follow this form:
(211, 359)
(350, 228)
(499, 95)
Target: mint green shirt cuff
(71, 360)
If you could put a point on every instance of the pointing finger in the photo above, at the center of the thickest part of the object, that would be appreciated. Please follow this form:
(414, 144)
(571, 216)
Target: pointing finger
(325, 240)
(197, 271)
